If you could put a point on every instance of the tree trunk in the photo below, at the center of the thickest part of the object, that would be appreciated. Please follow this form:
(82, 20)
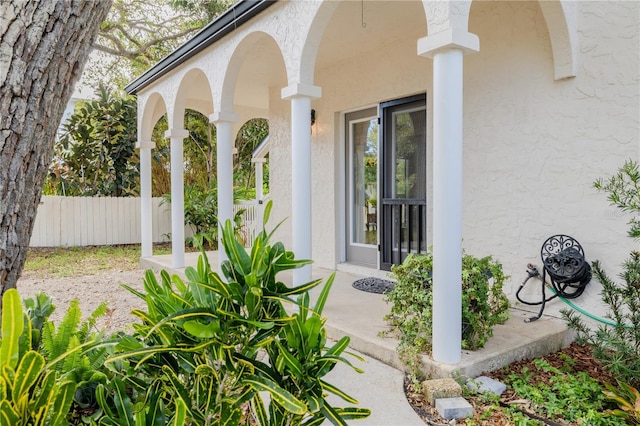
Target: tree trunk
(43, 48)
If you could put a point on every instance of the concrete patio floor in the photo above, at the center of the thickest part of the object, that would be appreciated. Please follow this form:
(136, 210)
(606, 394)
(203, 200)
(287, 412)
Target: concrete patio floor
(359, 315)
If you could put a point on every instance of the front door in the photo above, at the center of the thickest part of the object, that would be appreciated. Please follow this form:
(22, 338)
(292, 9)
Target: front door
(361, 134)
(403, 192)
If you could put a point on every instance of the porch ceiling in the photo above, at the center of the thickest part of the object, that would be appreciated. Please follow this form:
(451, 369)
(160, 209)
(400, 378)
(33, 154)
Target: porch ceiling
(357, 27)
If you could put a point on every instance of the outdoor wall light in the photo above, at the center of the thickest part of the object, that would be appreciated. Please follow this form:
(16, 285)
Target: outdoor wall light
(313, 117)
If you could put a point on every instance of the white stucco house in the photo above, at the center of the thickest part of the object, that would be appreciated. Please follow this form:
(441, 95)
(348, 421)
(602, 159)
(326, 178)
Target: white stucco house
(438, 124)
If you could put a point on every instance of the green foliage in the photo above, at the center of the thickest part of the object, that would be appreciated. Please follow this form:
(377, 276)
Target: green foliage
(618, 346)
(76, 261)
(96, 154)
(301, 360)
(201, 345)
(201, 212)
(250, 135)
(483, 305)
(73, 343)
(567, 396)
(623, 191)
(31, 391)
(628, 400)
(200, 168)
(39, 310)
(489, 403)
(137, 34)
(117, 407)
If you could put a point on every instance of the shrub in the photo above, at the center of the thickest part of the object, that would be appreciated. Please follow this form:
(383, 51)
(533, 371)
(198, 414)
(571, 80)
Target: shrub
(483, 304)
(617, 342)
(44, 368)
(208, 348)
(201, 213)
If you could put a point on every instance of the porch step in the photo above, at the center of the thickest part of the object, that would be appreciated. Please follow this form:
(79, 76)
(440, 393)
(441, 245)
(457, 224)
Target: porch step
(359, 315)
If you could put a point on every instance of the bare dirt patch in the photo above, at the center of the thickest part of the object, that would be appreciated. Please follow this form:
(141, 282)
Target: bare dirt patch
(91, 291)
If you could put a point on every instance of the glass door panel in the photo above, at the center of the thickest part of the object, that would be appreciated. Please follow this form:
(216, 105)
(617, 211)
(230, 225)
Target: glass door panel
(362, 189)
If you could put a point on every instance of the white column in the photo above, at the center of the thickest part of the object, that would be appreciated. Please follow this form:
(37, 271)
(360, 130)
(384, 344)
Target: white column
(259, 164)
(224, 130)
(300, 96)
(447, 50)
(177, 195)
(146, 207)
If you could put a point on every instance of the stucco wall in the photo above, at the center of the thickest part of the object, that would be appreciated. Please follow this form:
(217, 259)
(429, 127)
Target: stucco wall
(533, 146)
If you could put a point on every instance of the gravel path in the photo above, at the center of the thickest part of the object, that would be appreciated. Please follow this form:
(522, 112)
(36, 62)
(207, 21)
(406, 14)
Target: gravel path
(90, 290)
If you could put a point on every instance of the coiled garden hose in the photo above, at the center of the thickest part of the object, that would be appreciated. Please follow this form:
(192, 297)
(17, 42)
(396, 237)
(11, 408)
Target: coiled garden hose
(561, 286)
(532, 271)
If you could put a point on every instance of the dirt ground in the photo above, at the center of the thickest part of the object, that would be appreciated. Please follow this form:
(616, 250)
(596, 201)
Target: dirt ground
(90, 290)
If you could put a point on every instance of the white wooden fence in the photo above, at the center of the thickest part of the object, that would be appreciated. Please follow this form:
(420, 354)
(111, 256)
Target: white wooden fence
(251, 220)
(89, 221)
(96, 221)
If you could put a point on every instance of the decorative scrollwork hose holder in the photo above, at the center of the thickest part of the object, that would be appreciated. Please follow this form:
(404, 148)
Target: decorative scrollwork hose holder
(564, 263)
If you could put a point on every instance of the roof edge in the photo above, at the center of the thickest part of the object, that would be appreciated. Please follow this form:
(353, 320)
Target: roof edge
(235, 16)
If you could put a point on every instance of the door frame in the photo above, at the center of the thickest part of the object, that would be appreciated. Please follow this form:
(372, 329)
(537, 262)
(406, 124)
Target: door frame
(356, 252)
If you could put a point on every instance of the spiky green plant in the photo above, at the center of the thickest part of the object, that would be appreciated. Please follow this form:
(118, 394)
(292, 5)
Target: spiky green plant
(31, 390)
(618, 345)
(623, 191)
(199, 342)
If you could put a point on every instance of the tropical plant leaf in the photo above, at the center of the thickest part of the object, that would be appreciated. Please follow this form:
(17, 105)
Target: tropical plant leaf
(257, 406)
(156, 415)
(283, 397)
(285, 358)
(7, 414)
(302, 288)
(353, 413)
(123, 404)
(236, 252)
(334, 390)
(62, 403)
(180, 418)
(12, 326)
(332, 415)
(27, 374)
(324, 295)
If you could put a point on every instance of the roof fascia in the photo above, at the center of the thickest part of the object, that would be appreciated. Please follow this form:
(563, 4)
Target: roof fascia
(235, 16)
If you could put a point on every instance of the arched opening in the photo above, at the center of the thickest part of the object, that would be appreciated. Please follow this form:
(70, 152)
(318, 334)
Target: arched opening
(249, 137)
(251, 89)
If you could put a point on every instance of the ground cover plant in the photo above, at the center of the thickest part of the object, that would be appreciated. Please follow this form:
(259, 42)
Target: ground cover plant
(563, 388)
(76, 261)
